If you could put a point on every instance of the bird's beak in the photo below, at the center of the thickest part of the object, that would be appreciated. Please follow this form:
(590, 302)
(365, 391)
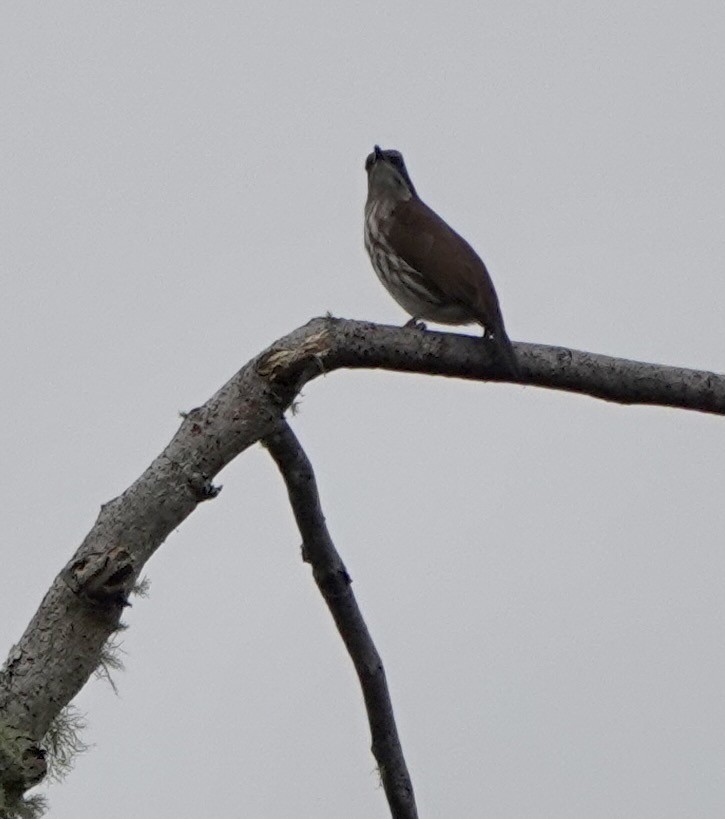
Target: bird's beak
(375, 156)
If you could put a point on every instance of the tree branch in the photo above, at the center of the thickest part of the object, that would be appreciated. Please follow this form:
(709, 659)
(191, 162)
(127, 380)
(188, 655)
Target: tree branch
(334, 582)
(62, 645)
(324, 345)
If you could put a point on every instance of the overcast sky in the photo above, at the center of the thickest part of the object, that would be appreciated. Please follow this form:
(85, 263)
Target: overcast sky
(182, 183)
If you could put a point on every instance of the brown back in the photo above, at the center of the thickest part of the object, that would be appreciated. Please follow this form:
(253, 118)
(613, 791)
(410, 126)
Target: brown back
(444, 259)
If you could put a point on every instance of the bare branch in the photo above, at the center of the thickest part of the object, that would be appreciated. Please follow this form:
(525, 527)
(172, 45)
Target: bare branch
(330, 344)
(63, 643)
(334, 582)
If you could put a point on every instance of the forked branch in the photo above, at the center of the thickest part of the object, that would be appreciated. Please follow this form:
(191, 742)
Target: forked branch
(64, 642)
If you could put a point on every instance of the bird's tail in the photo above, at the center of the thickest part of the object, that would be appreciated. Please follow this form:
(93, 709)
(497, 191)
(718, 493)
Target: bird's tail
(506, 351)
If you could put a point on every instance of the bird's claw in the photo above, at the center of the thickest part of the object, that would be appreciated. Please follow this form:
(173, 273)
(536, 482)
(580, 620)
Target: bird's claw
(415, 324)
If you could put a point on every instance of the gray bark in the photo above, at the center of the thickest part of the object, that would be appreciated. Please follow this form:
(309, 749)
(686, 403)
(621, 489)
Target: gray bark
(62, 645)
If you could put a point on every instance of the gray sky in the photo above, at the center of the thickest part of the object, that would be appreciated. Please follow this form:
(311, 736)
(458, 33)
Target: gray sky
(182, 183)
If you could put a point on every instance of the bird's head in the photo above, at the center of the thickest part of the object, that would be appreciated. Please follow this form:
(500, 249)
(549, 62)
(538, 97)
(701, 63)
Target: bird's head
(388, 176)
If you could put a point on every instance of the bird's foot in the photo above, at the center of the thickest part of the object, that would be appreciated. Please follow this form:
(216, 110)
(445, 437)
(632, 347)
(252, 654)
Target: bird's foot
(415, 324)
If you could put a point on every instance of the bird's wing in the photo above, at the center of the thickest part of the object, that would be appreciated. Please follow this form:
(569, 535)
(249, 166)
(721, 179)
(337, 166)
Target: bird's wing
(444, 260)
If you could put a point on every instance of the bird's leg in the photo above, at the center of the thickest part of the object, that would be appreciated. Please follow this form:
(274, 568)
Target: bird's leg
(415, 324)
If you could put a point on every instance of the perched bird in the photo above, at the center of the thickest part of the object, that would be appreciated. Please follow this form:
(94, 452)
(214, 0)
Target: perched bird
(431, 271)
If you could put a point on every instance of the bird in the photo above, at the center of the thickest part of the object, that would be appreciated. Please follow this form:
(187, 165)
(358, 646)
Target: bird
(428, 268)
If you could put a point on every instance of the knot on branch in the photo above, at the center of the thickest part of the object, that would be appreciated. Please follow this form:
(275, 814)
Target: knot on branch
(22, 763)
(104, 578)
(201, 486)
(333, 582)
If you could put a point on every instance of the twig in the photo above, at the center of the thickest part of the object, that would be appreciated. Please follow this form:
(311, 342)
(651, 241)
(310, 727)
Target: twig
(334, 582)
